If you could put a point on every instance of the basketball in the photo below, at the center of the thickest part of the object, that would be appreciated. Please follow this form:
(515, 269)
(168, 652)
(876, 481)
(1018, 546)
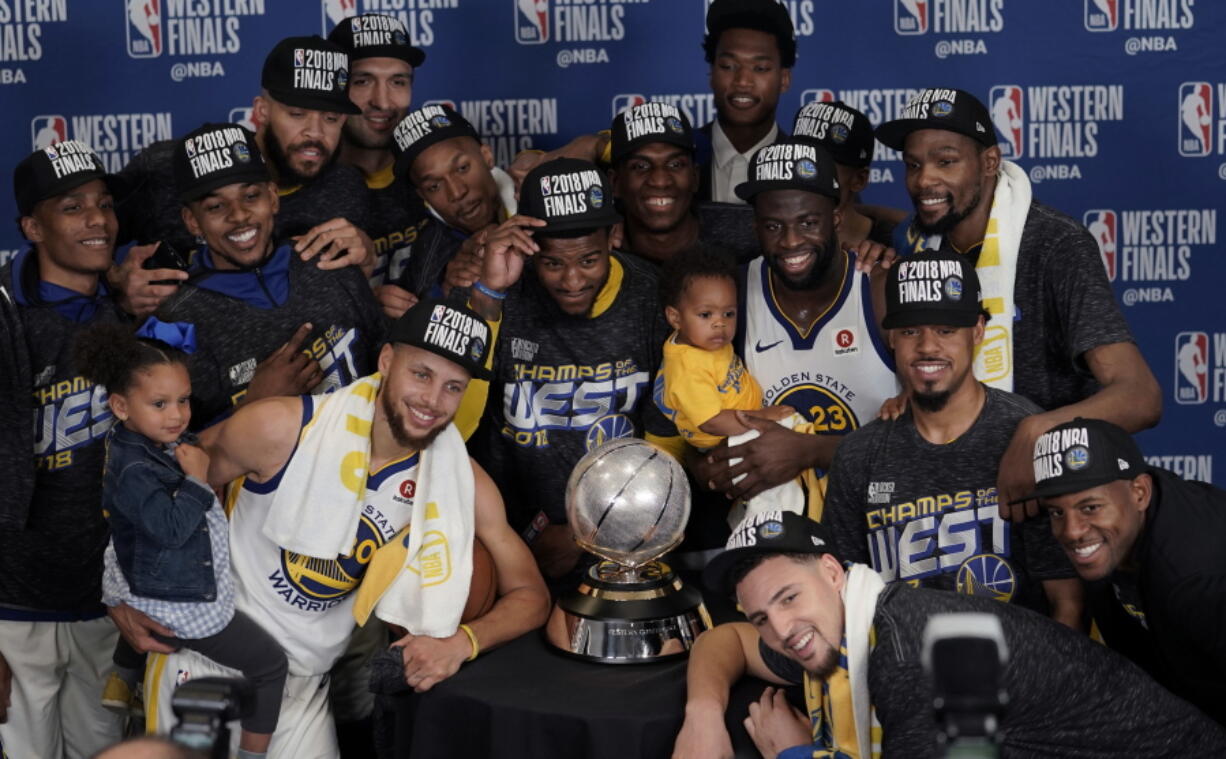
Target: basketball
(483, 590)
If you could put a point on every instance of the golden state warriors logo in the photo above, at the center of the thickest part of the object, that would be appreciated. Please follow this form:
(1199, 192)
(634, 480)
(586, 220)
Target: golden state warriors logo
(608, 428)
(1077, 457)
(329, 579)
(987, 575)
(816, 404)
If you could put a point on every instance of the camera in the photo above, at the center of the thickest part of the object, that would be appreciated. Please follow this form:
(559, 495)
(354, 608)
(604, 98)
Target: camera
(166, 256)
(965, 655)
(204, 708)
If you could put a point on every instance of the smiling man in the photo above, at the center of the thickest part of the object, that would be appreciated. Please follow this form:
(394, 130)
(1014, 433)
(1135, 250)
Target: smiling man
(915, 497)
(1056, 335)
(580, 340)
(856, 647)
(1149, 544)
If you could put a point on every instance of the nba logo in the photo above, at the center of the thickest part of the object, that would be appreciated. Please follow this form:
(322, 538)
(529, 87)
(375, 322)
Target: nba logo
(48, 130)
(626, 102)
(546, 186)
(1102, 15)
(244, 117)
(1006, 100)
(449, 103)
(816, 96)
(910, 17)
(1191, 367)
(1195, 119)
(1102, 225)
(531, 21)
(144, 25)
(336, 11)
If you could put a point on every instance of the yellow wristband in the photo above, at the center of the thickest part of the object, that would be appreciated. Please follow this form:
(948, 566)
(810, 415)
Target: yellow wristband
(472, 638)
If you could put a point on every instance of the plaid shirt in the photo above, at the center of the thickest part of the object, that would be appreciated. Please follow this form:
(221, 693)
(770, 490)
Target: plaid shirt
(188, 621)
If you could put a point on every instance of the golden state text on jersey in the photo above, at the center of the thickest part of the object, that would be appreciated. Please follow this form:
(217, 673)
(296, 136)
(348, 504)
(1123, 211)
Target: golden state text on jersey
(596, 399)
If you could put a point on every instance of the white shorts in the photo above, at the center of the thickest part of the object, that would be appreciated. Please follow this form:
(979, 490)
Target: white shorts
(59, 670)
(304, 729)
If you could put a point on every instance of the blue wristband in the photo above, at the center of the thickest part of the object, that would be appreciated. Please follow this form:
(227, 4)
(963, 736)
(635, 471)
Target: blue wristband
(495, 294)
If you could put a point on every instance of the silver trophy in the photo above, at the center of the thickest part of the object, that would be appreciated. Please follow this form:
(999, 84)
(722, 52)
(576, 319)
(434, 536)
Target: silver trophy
(628, 502)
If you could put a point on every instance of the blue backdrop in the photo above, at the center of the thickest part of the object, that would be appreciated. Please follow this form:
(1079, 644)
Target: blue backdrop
(1116, 108)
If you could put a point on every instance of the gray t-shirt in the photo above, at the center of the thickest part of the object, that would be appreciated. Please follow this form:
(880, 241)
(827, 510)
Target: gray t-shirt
(1068, 696)
(923, 513)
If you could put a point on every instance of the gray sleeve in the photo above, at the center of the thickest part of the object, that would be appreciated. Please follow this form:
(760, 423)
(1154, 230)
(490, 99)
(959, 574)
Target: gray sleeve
(904, 707)
(1085, 307)
(843, 511)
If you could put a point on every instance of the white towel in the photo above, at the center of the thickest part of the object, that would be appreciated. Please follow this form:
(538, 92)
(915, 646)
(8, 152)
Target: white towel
(859, 607)
(997, 270)
(789, 496)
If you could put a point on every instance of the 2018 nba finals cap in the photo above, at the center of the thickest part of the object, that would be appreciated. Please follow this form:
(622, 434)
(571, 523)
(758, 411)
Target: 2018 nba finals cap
(843, 131)
(790, 165)
(374, 35)
(764, 533)
(449, 330)
(570, 195)
(309, 72)
(648, 123)
(931, 288)
(1083, 454)
(940, 108)
(216, 155)
(54, 170)
(424, 127)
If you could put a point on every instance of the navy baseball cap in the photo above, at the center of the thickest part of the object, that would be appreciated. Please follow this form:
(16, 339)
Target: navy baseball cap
(648, 123)
(374, 35)
(940, 108)
(424, 127)
(570, 195)
(842, 130)
(766, 533)
(216, 155)
(930, 288)
(56, 169)
(455, 332)
(791, 165)
(1083, 454)
(309, 72)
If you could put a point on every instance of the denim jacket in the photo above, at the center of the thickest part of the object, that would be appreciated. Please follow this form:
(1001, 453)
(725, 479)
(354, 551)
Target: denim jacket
(157, 520)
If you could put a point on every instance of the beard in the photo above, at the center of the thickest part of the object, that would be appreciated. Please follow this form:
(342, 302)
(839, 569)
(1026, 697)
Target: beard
(931, 402)
(395, 421)
(287, 175)
(824, 666)
(951, 219)
(810, 281)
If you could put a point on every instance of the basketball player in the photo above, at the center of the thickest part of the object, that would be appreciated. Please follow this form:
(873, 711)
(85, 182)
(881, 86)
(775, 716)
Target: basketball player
(579, 345)
(54, 636)
(323, 205)
(307, 604)
(808, 329)
(857, 646)
(1065, 345)
(932, 471)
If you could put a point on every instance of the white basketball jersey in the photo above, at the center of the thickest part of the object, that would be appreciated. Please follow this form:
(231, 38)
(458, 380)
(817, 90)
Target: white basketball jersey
(838, 373)
(307, 603)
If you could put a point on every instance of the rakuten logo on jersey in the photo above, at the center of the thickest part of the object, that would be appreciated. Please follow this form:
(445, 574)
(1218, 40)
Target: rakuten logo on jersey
(950, 17)
(1151, 247)
(115, 137)
(417, 16)
(1200, 368)
(698, 107)
(801, 11)
(1048, 121)
(1141, 16)
(509, 126)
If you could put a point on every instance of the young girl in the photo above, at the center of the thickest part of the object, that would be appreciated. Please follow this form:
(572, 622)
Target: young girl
(169, 533)
(702, 383)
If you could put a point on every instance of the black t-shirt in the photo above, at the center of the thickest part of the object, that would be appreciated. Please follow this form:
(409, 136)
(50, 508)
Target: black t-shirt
(1068, 697)
(924, 513)
(396, 219)
(1179, 590)
(337, 191)
(237, 327)
(52, 568)
(436, 245)
(564, 385)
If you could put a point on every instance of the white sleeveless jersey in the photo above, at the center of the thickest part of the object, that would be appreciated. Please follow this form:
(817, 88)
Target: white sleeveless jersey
(837, 374)
(305, 603)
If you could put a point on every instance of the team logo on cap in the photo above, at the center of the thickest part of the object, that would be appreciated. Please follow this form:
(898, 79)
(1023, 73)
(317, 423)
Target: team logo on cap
(1195, 119)
(438, 313)
(839, 134)
(1102, 15)
(241, 152)
(399, 37)
(770, 530)
(1191, 368)
(476, 349)
(910, 16)
(440, 122)
(47, 130)
(1077, 457)
(986, 575)
(942, 108)
(531, 21)
(674, 124)
(189, 147)
(299, 58)
(144, 28)
(342, 78)
(953, 288)
(1102, 225)
(546, 186)
(595, 197)
(806, 169)
(1006, 105)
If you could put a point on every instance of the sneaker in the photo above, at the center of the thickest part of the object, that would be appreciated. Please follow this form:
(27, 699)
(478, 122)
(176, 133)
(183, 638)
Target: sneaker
(116, 695)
